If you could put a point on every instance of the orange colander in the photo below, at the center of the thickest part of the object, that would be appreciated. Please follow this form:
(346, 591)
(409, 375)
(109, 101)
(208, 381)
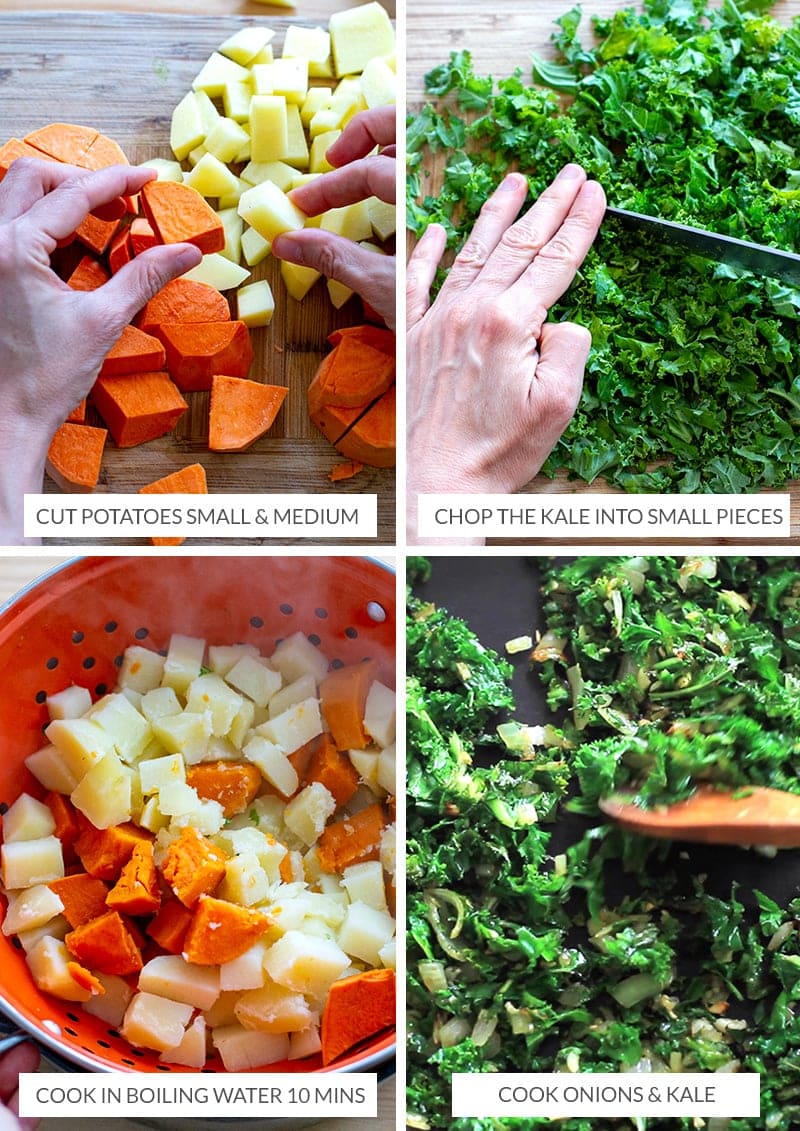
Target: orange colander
(73, 625)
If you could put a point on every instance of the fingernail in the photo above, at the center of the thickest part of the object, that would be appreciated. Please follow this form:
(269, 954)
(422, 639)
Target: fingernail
(570, 173)
(511, 183)
(289, 248)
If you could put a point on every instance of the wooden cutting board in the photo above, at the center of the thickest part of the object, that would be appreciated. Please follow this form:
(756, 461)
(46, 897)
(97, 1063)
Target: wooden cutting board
(124, 74)
(502, 37)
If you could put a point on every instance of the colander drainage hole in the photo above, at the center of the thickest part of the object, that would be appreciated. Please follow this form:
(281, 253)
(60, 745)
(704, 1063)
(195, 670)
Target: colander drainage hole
(111, 626)
(40, 696)
(287, 610)
(256, 622)
(321, 614)
(337, 664)
(77, 638)
(101, 689)
(130, 1063)
(3, 808)
(52, 663)
(89, 662)
(72, 1032)
(73, 1017)
(376, 612)
(314, 639)
(104, 1044)
(141, 633)
(351, 633)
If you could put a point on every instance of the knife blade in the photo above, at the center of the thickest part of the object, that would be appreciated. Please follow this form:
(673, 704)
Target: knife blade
(759, 259)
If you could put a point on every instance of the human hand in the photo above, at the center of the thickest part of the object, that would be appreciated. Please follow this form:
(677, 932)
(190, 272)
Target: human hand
(23, 1058)
(491, 385)
(53, 339)
(356, 177)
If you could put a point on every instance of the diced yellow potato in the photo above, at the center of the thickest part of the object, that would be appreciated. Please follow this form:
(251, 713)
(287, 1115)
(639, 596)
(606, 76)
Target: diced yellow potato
(338, 293)
(151, 817)
(357, 34)
(166, 170)
(287, 77)
(325, 120)
(296, 656)
(208, 111)
(279, 172)
(27, 819)
(210, 177)
(305, 1043)
(311, 43)
(387, 769)
(378, 84)
(233, 226)
(380, 713)
(103, 795)
(304, 687)
(111, 1005)
(298, 280)
(364, 931)
(231, 199)
(206, 816)
(191, 1052)
(177, 799)
(352, 221)
(33, 907)
(217, 72)
(141, 669)
(382, 216)
(29, 862)
(347, 101)
(195, 156)
(154, 773)
(329, 907)
(257, 681)
(224, 141)
(318, 98)
(159, 702)
(389, 850)
(222, 657)
(48, 966)
(171, 976)
(210, 692)
(366, 763)
(307, 814)
(187, 128)
(294, 727)
(265, 55)
(365, 884)
(245, 972)
(242, 722)
(128, 729)
(236, 102)
(269, 136)
(268, 210)
(296, 147)
(245, 881)
(273, 1009)
(268, 851)
(388, 954)
(218, 272)
(305, 963)
(81, 743)
(186, 734)
(49, 768)
(221, 1012)
(70, 703)
(273, 764)
(303, 179)
(241, 1048)
(319, 147)
(154, 1022)
(56, 928)
(245, 44)
(183, 662)
(255, 304)
(254, 247)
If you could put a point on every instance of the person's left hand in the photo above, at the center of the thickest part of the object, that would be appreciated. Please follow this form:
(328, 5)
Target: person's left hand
(23, 1058)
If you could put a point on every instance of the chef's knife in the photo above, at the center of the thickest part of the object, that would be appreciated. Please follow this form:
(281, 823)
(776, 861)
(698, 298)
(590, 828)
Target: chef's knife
(753, 257)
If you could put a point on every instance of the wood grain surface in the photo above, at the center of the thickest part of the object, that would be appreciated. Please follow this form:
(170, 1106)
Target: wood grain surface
(501, 37)
(311, 10)
(124, 73)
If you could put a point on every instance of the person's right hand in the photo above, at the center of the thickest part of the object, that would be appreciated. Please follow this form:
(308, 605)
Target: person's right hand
(23, 1058)
(356, 177)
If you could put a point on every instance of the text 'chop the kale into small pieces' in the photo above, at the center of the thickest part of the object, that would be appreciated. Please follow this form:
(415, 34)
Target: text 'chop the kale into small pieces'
(691, 113)
(542, 938)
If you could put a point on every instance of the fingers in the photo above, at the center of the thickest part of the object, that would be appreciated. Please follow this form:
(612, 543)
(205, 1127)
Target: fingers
(556, 387)
(555, 266)
(57, 215)
(126, 292)
(22, 1058)
(371, 176)
(421, 270)
(524, 240)
(362, 133)
(499, 211)
(28, 180)
(368, 273)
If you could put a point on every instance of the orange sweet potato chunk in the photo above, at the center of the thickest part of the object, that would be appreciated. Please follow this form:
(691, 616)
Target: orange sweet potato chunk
(133, 352)
(15, 148)
(88, 275)
(78, 414)
(142, 236)
(138, 406)
(121, 251)
(104, 852)
(179, 214)
(196, 351)
(105, 944)
(169, 926)
(345, 470)
(232, 784)
(136, 892)
(83, 896)
(75, 456)
(190, 480)
(85, 979)
(357, 1008)
(193, 866)
(343, 698)
(372, 438)
(352, 840)
(241, 412)
(220, 931)
(333, 770)
(183, 300)
(65, 817)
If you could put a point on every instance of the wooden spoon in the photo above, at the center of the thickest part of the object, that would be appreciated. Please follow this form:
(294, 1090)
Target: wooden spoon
(709, 816)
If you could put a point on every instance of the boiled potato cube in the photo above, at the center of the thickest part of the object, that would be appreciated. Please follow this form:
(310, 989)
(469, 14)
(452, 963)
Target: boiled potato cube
(245, 881)
(206, 816)
(302, 688)
(158, 772)
(378, 84)
(151, 817)
(49, 768)
(295, 727)
(33, 907)
(104, 794)
(366, 762)
(221, 1012)
(307, 814)
(141, 669)
(191, 1052)
(218, 272)
(364, 931)
(211, 178)
(387, 769)
(305, 963)
(255, 304)
(257, 681)
(218, 71)
(268, 210)
(357, 34)
(269, 136)
(305, 1043)
(154, 1022)
(273, 764)
(296, 656)
(241, 1048)
(221, 658)
(389, 849)
(128, 729)
(56, 928)
(48, 966)
(183, 662)
(298, 280)
(159, 702)
(211, 693)
(245, 44)
(170, 976)
(245, 972)
(273, 1009)
(111, 1005)
(242, 723)
(70, 703)
(225, 140)
(364, 883)
(177, 799)
(27, 819)
(29, 862)
(81, 743)
(186, 734)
